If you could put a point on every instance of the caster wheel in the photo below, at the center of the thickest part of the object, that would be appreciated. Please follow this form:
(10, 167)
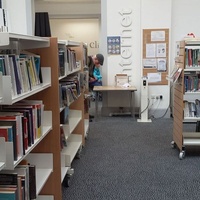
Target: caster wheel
(78, 154)
(86, 136)
(66, 181)
(182, 155)
(173, 145)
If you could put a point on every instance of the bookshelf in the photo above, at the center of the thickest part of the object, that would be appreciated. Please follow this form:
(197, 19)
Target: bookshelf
(74, 128)
(186, 92)
(44, 152)
(83, 56)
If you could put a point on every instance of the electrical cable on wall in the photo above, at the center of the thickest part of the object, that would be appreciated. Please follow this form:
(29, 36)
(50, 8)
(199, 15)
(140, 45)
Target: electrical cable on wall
(166, 109)
(145, 108)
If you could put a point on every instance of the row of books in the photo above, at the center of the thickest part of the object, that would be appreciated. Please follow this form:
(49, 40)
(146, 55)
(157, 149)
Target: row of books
(192, 109)
(192, 58)
(21, 124)
(192, 83)
(70, 89)
(61, 57)
(67, 61)
(24, 70)
(71, 60)
(18, 184)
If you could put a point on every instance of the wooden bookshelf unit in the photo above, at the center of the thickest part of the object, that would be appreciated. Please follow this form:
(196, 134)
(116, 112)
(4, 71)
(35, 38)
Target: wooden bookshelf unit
(185, 90)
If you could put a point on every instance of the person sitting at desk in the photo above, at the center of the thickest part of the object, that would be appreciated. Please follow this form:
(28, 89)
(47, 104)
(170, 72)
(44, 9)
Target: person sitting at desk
(95, 77)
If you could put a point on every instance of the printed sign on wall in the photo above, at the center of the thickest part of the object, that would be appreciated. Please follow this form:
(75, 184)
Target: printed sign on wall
(113, 44)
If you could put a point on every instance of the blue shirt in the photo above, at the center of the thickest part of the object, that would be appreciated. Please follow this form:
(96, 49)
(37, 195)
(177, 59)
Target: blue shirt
(97, 74)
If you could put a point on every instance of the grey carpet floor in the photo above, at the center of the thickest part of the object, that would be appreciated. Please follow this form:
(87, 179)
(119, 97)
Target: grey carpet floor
(123, 160)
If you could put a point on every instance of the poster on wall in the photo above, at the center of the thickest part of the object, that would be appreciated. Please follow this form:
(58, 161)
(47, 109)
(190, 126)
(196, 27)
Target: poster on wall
(114, 45)
(157, 36)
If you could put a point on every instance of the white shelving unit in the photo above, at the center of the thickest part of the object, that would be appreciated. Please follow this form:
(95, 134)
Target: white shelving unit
(44, 168)
(182, 139)
(73, 145)
(26, 41)
(7, 89)
(47, 164)
(2, 153)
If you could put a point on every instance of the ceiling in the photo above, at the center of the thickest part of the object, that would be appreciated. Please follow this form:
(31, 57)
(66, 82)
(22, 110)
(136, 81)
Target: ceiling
(71, 1)
(69, 8)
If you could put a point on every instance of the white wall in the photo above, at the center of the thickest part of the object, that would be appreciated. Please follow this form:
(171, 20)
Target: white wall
(112, 25)
(145, 14)
(157, 14)
(185, 19)
(84, 30)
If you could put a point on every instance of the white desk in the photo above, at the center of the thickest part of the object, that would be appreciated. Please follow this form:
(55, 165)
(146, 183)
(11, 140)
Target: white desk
(102, 89)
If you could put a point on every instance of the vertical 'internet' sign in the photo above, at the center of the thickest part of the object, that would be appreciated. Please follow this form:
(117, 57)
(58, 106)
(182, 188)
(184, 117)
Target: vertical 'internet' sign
(126, 40)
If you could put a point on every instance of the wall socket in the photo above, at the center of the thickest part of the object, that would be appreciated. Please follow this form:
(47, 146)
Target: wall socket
(157, 96)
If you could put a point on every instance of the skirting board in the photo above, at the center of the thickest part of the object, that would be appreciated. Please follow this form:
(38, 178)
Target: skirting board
(113, 111)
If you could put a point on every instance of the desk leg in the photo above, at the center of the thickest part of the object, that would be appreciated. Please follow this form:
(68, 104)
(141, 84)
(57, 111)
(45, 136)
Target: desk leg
(96, 105)
(132, 103)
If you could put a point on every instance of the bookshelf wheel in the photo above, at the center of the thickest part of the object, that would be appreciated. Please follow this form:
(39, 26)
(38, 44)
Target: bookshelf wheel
(86, 136)
(78, 154)
(173, 145)
(182, 155)
(67, 182)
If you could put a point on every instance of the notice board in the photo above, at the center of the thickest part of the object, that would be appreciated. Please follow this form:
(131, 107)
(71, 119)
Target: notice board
(155, 60)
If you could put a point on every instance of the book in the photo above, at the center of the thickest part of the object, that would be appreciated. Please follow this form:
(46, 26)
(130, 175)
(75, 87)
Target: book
(32, 181)
(7, 133)
(13, 62)
(8, 195)
(25, 81)
(8, 178)
(64, 116)
(16, 116)
(13, 124)
(38, 107)
(61, 56)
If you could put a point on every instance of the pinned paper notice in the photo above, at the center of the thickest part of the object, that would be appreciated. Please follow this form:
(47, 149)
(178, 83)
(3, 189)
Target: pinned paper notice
(154, 77)
(150, 50)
